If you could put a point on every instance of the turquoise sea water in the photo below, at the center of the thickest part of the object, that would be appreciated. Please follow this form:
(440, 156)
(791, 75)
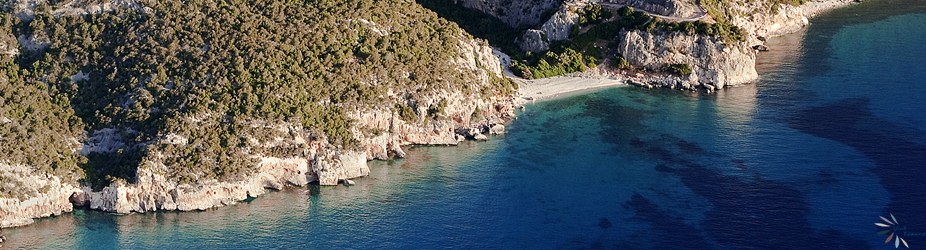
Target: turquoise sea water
(830, 138)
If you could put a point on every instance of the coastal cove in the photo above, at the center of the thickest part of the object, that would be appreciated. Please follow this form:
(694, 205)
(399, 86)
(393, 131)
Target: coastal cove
(826, 141)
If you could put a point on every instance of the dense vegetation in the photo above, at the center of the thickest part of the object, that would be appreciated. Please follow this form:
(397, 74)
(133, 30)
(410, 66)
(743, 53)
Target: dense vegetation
(36, 129)
(479, 24)
(557, 61)
(593, 14)
(208, 71)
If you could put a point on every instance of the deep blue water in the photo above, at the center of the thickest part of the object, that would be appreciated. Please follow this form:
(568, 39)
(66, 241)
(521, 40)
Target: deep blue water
(829, 139)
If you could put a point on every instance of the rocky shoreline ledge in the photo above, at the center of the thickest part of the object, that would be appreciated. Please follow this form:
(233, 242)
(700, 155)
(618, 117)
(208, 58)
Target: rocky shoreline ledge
(154, 192)
(328, 166)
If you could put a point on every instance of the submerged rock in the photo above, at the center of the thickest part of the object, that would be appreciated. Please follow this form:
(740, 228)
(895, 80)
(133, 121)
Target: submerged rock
(497, 129)
(604, 223)
(481, 137)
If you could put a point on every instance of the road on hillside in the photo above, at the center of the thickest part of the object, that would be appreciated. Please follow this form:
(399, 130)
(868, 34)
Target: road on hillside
(701, 16)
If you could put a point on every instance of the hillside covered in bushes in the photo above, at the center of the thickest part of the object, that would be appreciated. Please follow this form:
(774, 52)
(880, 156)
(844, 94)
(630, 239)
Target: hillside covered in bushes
(89, 95)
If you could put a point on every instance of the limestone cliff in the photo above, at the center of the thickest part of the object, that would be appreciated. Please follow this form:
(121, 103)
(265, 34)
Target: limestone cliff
(380, 131)
(770, 21)
(714, 63)
(272, 153)
(48, 196)
(557, 28)
(323, 163)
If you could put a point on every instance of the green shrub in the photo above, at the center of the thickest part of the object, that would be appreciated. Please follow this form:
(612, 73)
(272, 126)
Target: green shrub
(593, 14)
(620, 62)
(406, 113)
(228, 65)
(556, 62)
(681, 70)
(437, 110)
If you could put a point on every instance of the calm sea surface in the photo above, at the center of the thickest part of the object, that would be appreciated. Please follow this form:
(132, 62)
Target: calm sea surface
(830, 138)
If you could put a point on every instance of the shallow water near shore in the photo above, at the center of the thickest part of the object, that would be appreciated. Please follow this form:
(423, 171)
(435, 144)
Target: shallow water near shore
(830, 138)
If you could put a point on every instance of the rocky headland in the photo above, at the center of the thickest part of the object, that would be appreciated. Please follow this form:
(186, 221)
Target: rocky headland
(453, 115)
(715, 61)
(285, 155)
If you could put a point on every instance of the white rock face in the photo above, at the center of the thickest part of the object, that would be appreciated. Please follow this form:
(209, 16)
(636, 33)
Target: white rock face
(25, 9)
(560, 25)
(463, 111)
(332, 167)
(788, 18)
(557, 28)
(534, 41)
(153, 192)
(51, 196)
(497, 129)
(714, 64)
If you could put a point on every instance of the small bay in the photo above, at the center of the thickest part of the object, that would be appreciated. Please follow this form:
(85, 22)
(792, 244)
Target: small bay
(831, 137)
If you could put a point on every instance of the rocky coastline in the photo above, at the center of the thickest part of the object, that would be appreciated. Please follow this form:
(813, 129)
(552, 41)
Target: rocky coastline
(714, 62)
(467, 117)
(380, 132)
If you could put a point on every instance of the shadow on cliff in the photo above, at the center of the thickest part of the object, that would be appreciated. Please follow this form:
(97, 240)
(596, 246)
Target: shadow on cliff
(476, 23)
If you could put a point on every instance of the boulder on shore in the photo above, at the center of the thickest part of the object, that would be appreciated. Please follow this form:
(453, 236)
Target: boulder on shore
(497, 129)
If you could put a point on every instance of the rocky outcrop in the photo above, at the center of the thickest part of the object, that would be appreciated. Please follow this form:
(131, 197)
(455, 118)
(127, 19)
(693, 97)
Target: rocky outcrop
(771, 21)
(557, 28)
(463, 111)
(25, 9)
(332, 167)
(49, 196)
(533, 40)
(714, 63)
(154, 192)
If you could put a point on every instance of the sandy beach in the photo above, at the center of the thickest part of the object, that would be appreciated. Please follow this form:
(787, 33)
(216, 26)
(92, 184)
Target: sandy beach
(550, 88)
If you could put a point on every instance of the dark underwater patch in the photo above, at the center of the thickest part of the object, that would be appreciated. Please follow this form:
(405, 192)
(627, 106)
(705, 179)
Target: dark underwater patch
(671, 232)
(899, 162)
(748, 212)
(604, 223)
